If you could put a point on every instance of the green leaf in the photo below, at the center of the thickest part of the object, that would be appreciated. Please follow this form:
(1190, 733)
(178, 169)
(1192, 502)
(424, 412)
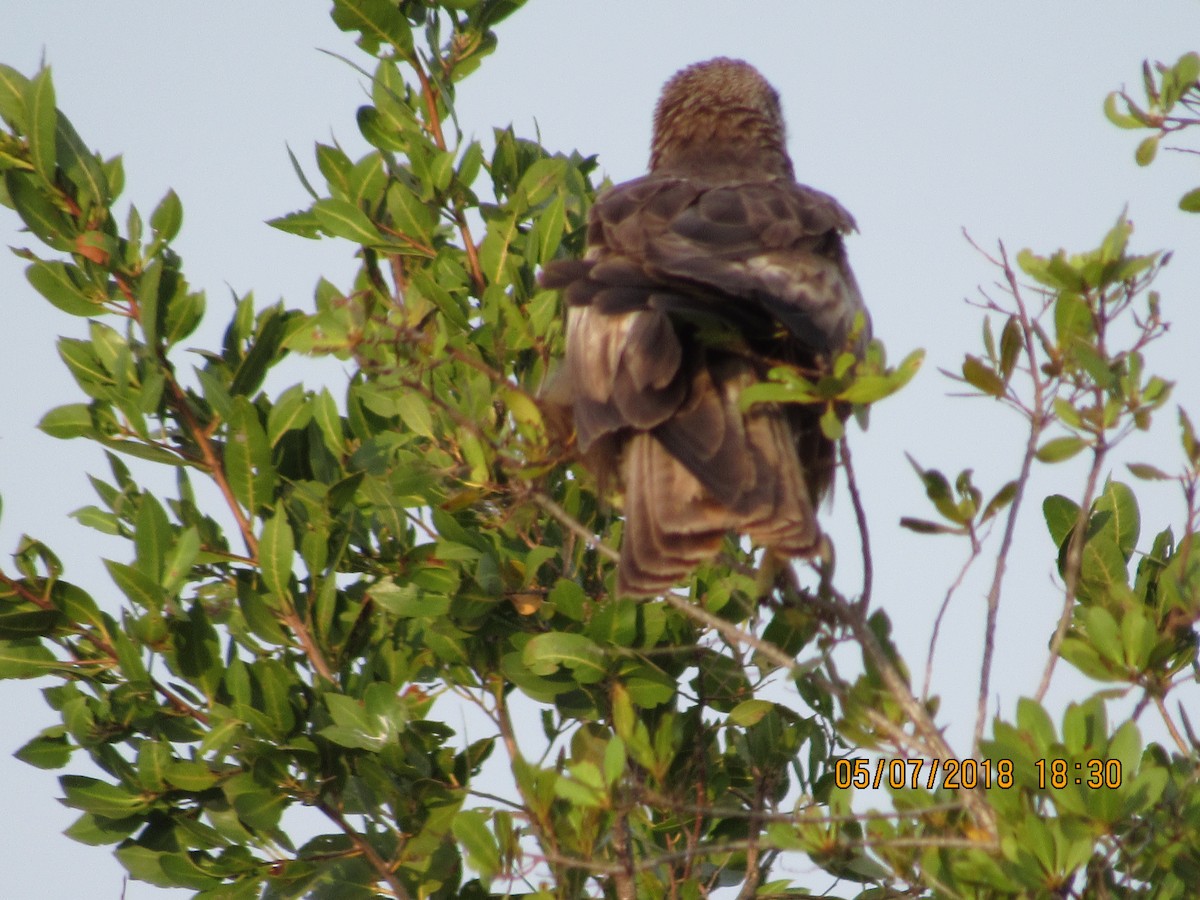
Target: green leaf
(375, 128)
(343, 219)
(483, 852)
(98, 830)
(545, 653)
(101, 798)
(325, 414)
(189, 776)
(1102, 569)
(414, 411)
(302, 222)
(410, 215)
(247, 458)
(979, 375)
(1118, 118)
(1061, 514)
(40, 215)
(81, 167)
(1118, 508)
(25, 658)
(1147, 472)
(152, 759)
(152, 536)
(69, 421)
(291, 411)
(49, 750)
(167, 218)
(178, 564)
(924, 526)
(749, 712)
(13, 86)
(377, 22)
(1060, 449)
(1002, 498)
(135, 584)
(831, 424)
(276, 553)
(184, 312)
(1147, 150)
(1190, 202)
(162, 868)
(43, 119)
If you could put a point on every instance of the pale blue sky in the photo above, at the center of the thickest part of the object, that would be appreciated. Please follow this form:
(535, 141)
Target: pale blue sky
(922, 118)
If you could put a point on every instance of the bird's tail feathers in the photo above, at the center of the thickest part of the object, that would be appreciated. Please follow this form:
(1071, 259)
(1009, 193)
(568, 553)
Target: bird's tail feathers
(673, 524)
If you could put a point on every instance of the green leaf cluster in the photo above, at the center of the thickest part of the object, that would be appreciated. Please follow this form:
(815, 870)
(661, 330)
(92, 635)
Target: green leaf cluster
(1171, 105)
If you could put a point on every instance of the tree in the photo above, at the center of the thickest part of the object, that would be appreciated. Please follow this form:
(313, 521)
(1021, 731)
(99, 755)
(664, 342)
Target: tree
(294, 631)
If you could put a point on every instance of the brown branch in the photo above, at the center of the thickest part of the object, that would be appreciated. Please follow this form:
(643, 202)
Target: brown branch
(368, 852)
(731, 632)
(208, 456)
(565, 519)
(625, 875)
(289, 617)
(753, 876)
(434, 122)
(543, 831)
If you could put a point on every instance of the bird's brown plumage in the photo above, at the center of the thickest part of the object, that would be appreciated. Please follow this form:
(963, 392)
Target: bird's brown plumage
(698, 278)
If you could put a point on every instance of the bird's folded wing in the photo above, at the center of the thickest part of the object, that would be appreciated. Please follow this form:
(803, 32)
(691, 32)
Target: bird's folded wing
(774, 245)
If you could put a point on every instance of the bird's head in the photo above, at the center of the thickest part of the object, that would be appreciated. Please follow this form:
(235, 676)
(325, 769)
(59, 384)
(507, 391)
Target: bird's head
(720, 118)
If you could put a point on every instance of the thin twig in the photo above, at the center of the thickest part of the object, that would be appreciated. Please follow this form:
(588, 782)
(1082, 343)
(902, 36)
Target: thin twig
(860, 516)
(730, 632)
(1167, 720)
(565, 519)
(1037, 425)
(433, 118)
(937, 621)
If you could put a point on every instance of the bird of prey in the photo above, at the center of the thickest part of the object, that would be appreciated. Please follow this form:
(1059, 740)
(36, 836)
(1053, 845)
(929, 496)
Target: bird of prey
(698, 278)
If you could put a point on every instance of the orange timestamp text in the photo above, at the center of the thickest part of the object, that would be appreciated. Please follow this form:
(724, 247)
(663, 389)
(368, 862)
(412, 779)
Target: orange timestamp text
(954, 774)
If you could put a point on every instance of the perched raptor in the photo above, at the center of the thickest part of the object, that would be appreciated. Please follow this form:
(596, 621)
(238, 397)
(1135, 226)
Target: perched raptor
(698, 278)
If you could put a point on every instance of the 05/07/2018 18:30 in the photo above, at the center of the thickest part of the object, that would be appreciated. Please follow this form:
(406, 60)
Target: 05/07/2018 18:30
(860, 773)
